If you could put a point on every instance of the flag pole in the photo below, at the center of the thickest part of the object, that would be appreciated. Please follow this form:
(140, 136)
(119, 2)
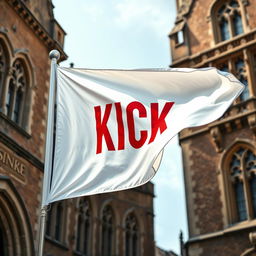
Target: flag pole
(54, 56)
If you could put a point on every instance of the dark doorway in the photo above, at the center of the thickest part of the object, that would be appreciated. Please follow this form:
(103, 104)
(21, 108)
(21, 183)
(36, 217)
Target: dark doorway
(3, 242)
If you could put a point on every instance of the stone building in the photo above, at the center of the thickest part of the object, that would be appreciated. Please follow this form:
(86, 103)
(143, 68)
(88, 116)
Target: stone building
(220, 158)
(101, 225)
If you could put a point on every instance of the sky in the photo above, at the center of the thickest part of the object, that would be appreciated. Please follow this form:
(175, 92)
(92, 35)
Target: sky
(131, 34)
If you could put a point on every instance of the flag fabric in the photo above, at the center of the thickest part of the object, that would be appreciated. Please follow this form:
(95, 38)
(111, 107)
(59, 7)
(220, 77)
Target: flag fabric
(112, 124)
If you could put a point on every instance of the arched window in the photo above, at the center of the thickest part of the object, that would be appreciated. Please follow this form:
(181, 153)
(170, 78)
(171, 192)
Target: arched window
(16, 234)
(228, 17)
(83, 227)
(242, 171)
(107, 232)
(131, 236)
(55, 225)
(16, 92)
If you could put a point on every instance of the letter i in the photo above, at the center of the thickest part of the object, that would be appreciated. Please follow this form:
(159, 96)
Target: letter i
(120, 125)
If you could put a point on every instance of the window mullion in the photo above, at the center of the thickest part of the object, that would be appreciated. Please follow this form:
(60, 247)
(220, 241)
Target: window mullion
(12, 101)
(231, 27)
(247, 193)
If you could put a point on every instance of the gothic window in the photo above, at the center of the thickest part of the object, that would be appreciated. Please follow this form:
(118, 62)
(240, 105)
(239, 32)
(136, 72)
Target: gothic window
(55, 225)
(84, 226)
(229, 20)
(107, 233)
(241, 75)
(131, 236)
(16, 92)
(242, 167)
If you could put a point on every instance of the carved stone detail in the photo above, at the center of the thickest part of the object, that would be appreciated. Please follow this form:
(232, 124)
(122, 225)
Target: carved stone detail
(252, 122)
(184, 8)
(216, 139)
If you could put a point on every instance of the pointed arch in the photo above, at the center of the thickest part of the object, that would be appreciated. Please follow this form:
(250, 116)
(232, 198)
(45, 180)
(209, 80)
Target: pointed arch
(228, 19)
(19, 89)
(238, 178)
(14, 221)
(6, 55)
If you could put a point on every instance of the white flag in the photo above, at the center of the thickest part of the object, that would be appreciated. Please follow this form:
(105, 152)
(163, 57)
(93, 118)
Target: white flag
(112, 124)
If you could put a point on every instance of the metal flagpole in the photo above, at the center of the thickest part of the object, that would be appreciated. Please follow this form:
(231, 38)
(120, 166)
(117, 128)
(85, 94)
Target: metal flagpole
(54, 56)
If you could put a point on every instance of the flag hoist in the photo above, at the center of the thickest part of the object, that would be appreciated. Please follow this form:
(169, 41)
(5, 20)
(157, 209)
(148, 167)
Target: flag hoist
(112, 125)
(48, 163)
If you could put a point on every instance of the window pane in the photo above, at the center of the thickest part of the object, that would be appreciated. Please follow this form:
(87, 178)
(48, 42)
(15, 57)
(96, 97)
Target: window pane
(107, 234)
(78, 235)
(58, 222)
(224, 30)
(48, 222)
(86, 236)
(238, 25)
(241, 75)
(245, 94)
(180, 37)
(127, 243)
(253, 192)
(9, 98)
(240, 201)
(17, 106)
(234, 4)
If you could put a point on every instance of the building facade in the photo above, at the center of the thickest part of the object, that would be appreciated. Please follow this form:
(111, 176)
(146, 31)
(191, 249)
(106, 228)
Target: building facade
(219, 159)
(101, 225)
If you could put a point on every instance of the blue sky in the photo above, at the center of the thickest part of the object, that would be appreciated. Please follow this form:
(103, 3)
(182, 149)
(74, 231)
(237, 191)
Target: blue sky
(129, 34)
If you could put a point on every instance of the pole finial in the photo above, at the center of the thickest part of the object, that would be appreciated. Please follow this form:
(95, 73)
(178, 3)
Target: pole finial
(54, 54)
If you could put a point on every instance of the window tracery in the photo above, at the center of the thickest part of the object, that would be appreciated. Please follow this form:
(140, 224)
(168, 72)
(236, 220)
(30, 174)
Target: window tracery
(242, 171)
(16, 92)
(229, 20)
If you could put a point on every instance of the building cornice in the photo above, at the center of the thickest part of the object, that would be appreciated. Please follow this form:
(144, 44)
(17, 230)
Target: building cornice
(243, 226)
(15, 147)
(40, 32)
(221, 50)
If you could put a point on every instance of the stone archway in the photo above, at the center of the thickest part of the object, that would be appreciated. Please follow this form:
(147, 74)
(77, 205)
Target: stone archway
(15, 229)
